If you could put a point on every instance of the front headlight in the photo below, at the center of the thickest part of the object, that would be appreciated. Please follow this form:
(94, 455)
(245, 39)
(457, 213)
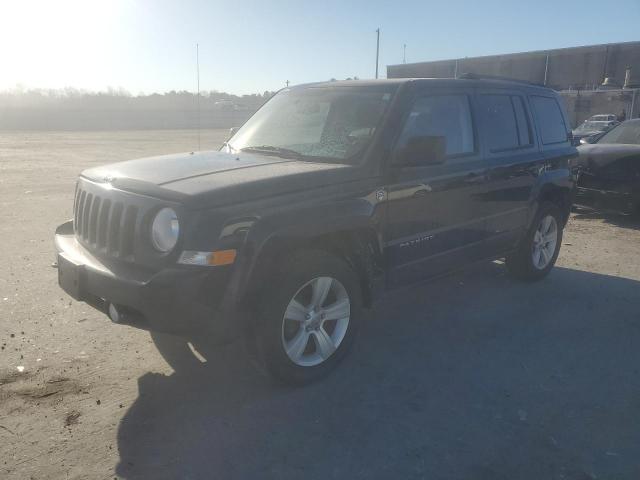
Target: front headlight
(165, 230)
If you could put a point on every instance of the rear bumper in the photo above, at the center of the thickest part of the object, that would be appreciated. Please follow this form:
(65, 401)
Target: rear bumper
(186, 301)
(626, 203)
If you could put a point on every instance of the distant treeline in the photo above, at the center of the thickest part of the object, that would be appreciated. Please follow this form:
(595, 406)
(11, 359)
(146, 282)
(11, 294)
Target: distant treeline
(116, 109)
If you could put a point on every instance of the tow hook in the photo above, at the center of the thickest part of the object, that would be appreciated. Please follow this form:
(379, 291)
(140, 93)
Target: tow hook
(114, 313)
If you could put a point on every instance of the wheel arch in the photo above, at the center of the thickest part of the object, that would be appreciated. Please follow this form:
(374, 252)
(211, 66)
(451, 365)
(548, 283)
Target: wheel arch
(556, 186)
(360, 247)
(560, 196)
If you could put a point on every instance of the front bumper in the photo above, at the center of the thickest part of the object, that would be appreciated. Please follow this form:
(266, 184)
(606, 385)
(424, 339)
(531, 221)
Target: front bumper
(182, 300)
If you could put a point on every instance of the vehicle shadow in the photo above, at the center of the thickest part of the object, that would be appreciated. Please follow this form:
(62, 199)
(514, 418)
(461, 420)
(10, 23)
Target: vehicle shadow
(611, 218)
(472, 376)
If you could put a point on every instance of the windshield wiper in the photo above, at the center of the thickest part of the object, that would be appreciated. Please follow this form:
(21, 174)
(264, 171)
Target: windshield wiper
(271, 150)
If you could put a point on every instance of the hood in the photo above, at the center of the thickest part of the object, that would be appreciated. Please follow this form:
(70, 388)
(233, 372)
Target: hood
(585, 132)
(601, 154)
(218, 177)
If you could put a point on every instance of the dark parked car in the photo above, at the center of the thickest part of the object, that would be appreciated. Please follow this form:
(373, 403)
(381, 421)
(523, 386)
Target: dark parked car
(593, 127)
(609, 177)
(329, 195)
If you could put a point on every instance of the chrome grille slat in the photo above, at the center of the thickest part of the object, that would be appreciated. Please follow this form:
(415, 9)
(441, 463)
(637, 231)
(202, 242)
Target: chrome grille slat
(85, 216)
(113, 237)
(79, 213)
(76, 201)
(128, 230)
(93, 220)
(103, 217)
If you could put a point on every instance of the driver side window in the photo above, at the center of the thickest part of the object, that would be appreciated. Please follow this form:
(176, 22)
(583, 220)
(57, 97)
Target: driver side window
(447, 116)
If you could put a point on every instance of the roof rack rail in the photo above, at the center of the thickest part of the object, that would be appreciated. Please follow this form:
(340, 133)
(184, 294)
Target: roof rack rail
(477, 76)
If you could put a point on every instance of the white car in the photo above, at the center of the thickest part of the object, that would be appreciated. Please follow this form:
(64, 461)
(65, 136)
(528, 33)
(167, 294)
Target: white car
(608, 117)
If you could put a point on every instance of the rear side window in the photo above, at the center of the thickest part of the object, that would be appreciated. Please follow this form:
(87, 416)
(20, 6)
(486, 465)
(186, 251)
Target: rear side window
(549, 119)
(504, 122)
(498, 121)
(448, 116)
(524, 132)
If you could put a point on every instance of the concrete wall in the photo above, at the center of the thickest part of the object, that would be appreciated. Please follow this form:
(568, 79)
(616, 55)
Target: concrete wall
(568, 68)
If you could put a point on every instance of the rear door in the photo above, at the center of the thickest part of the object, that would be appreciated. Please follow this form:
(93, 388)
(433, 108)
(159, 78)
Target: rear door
(513, 158)
(433, 222)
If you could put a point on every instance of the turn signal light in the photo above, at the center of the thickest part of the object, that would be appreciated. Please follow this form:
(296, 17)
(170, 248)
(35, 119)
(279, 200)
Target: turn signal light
(222, 257)
(215, 259)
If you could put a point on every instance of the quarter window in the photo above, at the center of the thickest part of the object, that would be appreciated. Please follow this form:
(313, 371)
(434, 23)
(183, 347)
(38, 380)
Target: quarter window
(448, 116)
(549, 119)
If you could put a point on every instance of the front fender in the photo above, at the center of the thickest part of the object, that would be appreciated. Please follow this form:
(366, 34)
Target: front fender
(300, 226)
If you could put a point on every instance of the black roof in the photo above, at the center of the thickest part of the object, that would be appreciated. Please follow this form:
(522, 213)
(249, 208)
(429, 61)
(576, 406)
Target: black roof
(466, 79)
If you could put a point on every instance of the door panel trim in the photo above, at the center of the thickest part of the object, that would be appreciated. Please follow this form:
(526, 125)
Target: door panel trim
(436, 231)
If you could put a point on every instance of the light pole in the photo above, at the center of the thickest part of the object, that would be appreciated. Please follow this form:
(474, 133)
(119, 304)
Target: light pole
(377, 50)
(198, 95)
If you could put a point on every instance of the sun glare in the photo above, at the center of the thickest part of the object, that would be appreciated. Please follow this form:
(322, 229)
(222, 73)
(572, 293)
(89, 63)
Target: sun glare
(46, 43)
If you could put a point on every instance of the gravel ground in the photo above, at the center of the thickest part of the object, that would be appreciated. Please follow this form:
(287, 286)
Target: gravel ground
(472, 376)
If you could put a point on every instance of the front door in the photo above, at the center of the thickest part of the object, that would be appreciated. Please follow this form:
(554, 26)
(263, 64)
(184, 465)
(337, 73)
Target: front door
(433, 222)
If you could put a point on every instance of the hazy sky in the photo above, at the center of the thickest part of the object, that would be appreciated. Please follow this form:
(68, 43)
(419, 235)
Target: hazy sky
(250, 46)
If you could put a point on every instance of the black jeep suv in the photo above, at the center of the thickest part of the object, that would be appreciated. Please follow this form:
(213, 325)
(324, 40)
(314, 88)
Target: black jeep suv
(330, 194)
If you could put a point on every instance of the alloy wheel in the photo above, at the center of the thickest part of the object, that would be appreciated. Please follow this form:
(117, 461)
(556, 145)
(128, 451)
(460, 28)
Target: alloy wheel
(316, 321)
(544, 242)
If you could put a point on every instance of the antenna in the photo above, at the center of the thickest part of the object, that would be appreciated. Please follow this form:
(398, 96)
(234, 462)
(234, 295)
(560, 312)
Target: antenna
(198, 95)
(377, 50)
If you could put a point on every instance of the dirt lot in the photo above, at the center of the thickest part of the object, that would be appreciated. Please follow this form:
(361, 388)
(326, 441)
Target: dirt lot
(473, 376)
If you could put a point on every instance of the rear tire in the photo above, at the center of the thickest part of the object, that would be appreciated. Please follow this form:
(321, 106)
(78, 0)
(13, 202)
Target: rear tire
(538, 251)
(308, 317)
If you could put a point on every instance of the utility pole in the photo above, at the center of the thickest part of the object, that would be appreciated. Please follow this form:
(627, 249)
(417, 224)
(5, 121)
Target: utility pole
(546, 69)
(404, 53)
(198, 96)
(377, 50)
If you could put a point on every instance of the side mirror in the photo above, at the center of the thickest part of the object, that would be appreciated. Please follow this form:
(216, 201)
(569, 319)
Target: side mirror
(423, 151)
(233, 131)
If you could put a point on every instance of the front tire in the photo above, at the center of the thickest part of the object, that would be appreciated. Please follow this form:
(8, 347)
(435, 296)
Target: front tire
(538, 251)
(308, 317)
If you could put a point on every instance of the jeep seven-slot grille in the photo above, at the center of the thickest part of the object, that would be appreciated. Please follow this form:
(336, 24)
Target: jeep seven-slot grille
(104, 224)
